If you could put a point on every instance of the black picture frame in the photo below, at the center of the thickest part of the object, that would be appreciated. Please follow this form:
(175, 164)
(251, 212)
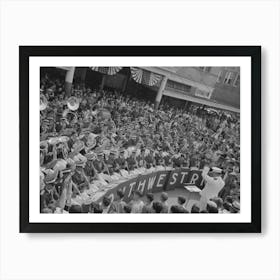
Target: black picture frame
(25, 52)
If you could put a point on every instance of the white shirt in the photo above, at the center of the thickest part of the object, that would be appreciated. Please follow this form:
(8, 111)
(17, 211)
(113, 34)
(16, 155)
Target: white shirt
(213, 185)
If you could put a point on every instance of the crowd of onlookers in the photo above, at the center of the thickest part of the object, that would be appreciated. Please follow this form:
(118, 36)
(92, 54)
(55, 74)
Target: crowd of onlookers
(100, 137)
(148, 204)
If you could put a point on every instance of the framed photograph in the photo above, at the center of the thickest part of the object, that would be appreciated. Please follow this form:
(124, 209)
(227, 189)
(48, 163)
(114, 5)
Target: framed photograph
(153, 138)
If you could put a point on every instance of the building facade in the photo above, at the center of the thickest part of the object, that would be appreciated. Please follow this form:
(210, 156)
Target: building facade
(217, 87)
(212, 86)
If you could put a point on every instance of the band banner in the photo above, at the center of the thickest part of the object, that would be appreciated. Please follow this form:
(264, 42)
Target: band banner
(127, 187)
(173, 180)
(164, 180)
(195, 178)
(161, 180)
(146, 182)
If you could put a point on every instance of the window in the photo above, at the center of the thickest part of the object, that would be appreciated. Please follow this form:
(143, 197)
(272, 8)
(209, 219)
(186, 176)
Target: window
(219, 77)
(228, 78)
(205, 69)
(236, 82)
(178, 86)
(203, 93)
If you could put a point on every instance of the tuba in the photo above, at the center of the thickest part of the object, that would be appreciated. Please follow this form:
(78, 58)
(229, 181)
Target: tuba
(43, 102)
(70, 116)
(73, 103)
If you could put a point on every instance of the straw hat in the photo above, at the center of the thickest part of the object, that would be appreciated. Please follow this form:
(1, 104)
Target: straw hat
(90, 156)
(51, 176)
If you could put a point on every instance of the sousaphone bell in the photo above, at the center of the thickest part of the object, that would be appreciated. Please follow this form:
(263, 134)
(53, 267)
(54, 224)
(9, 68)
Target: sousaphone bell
(73, 103)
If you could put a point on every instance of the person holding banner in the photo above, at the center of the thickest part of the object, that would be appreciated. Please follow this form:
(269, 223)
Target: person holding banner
(101, 168)
(213, 184)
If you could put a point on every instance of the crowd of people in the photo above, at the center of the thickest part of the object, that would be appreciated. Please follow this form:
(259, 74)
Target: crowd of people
(96, 138)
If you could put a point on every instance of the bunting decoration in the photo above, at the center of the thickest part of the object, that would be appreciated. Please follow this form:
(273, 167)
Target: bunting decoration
(107, 70)
(142, 76)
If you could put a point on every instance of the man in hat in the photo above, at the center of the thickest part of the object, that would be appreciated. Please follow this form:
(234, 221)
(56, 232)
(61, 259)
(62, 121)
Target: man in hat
(194, 160)
(230, 179)
(110, 162)
(113, 166)
(101, 168)
(177, 160)
(79, 178)
(121, 161)
(49, 196)
(72, 140)
(141, 159)
(90, 141)
(150, 159)
(132, 161)
(159, 158)
(213, 184)
(167, 159)
(89, 169)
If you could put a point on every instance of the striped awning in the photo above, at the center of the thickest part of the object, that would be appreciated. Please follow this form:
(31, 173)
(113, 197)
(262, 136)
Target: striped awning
(145, 77)
(107, 70)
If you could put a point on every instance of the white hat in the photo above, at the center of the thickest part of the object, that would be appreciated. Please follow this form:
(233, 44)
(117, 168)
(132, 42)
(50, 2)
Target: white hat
(60, 165)
(217, 170)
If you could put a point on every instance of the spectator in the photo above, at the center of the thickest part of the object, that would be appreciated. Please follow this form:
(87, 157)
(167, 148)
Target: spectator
(75, 209)
(219, 203)
(157, 207)
(119, 204)
(212, 207)
(181, 201)
(107, 205)
(235, 207)
(127, 209)
(195, 209)
(95, 208)
(137, 204)
(177, 209)
(148, 207)
(163, 199)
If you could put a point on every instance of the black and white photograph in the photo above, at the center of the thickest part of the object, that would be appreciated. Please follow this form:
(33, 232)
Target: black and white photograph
(140, 140)
(110, 135)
